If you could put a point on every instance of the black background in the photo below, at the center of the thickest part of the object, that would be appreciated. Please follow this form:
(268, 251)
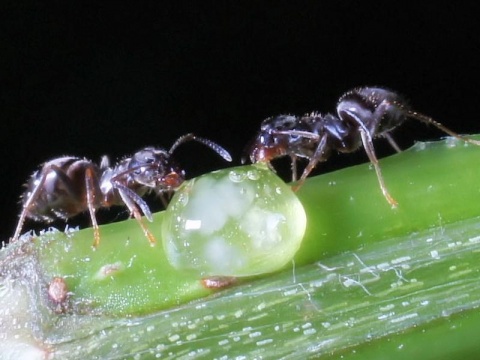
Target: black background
(112, 77)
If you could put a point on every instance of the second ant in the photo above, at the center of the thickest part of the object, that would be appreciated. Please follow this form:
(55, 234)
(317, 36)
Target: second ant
(363, 114)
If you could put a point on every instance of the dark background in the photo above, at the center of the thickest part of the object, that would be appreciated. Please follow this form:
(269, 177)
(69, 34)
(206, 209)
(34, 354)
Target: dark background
(112, 77)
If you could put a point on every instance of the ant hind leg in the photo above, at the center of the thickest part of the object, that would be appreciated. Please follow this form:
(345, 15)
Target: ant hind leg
(368, 145)
(26, 207)
(89, 186)
(392, 142)
(428, 120)
(294, 167)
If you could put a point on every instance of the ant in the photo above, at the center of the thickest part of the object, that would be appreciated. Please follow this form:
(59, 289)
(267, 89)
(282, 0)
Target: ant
(68, 185)
(363, 114)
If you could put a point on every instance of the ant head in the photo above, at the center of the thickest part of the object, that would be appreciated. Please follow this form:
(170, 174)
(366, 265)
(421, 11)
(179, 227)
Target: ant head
(272, 140)
(155, 168)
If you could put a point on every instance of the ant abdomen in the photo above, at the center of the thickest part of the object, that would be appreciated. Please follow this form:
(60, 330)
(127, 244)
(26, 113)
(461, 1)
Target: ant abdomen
(57, 190)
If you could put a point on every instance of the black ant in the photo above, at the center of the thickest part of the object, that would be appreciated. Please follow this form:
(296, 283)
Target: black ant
(67, 186)
(362, 114)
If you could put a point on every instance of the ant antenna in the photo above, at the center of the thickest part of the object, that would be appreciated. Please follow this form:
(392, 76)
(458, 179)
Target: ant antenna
(215, 147)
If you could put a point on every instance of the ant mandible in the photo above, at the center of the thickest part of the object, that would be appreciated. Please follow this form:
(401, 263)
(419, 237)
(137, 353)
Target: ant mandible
(67, 186)
(363, 114)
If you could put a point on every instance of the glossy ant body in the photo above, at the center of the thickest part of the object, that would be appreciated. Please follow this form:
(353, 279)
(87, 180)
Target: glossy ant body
(362, 114)
(67, 186)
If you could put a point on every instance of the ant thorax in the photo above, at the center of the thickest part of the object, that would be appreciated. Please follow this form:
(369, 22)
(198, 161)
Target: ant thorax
(338, 135)
(109, 193)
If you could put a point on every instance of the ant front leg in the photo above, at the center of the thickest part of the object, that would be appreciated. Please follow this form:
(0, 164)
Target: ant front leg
(318, 155)
(165, 196)
(130, 199)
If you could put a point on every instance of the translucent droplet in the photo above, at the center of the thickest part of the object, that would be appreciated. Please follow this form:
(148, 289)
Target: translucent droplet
(451, 142)
(236, 176)
(253, 175)
(238, 222)
(420, 146)
(183, 199)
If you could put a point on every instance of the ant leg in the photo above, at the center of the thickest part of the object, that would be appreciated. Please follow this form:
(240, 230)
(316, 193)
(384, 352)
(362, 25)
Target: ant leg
(366, 136)
(368, 145)
(317, 156)
(294, 167)
(163, 199)
(270, 166)
(428, 120)
(89, 186)
(26, 207)
(165, 196)
(35, 193)
(127, 198)
(392, 142)
(133, 196)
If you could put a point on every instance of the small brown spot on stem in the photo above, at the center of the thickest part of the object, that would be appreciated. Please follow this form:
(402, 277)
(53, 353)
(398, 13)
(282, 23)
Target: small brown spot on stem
(218, 282)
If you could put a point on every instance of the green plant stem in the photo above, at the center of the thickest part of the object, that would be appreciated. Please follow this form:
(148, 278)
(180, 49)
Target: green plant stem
(367, 279)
